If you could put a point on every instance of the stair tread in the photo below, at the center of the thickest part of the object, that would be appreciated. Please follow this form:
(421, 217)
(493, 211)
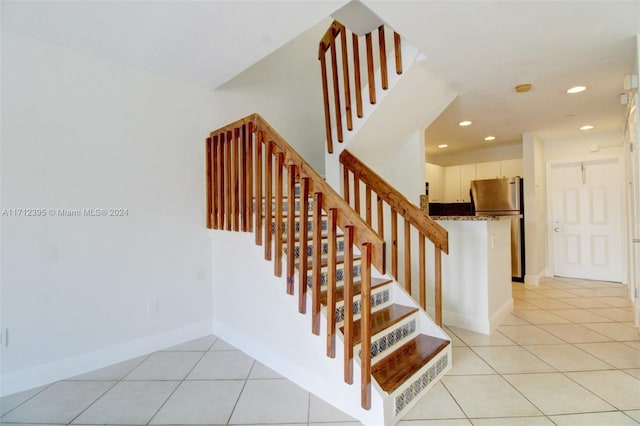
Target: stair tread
(323, 236)
(375, 283)
(382, 319)
(394, 369)
(325, 261)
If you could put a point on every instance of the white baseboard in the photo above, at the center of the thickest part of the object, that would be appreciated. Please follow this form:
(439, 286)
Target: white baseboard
(47, 373)
(501, 313)
(476, 324)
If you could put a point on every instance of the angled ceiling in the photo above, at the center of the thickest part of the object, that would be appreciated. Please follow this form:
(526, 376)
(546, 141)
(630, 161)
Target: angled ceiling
(482, 49)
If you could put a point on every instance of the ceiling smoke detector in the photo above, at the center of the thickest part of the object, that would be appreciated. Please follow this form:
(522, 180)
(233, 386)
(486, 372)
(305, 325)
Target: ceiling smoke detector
(522, 88)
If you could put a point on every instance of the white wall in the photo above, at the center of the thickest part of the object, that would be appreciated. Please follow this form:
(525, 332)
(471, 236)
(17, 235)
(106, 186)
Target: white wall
(79, 132)
(285, 88)
(534, 175)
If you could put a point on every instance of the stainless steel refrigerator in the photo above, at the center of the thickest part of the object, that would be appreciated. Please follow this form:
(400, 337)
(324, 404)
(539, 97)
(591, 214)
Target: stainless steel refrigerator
(498, 197)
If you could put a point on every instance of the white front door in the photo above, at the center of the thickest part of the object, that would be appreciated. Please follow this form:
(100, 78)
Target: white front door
(633, 155)
(586, 220)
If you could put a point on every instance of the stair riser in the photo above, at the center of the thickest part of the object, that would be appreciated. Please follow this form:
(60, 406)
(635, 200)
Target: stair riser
(387, 341)
(285, 205)
(380, 298)
(324, 276)
(324, 225)
(405, 396)
(324, 247)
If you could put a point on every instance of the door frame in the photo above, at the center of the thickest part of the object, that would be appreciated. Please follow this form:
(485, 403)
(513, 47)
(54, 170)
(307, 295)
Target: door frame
(597, 157)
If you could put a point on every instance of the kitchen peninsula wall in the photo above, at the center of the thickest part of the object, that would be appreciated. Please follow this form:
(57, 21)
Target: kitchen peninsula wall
(451, 184)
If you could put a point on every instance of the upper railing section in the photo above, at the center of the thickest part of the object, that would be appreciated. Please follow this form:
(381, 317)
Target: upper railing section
(415, 222)
(333, 44)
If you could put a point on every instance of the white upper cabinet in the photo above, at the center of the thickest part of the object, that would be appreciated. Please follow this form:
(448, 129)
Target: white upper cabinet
(488, 170)
(511, 168)
(435, 178)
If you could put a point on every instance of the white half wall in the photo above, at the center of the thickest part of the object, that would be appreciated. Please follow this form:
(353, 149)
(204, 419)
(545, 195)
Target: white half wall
(78, 291)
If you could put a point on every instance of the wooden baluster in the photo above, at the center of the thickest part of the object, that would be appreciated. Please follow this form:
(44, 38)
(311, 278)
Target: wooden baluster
(407, 256)
(370, 71)
(325, 96)
(438, 285)
(220, 182)
(236, 180)
(269, 227)
(244, 176)
(304, 242)
(291, 228)
(345, 77)
(249, 179)
(380, 217)
(356, 73)
(356, 193)
(383, 58)
(394, 243)
(421, 262)
(398, 51)
(336, 89)
(215, 183)
(348, 304)
(365, 321)
(345, 184)
(258, 188)
(331, 284)
(277, 270)
(228, 184)
(368, 204)
(208, 164)
(316, 263)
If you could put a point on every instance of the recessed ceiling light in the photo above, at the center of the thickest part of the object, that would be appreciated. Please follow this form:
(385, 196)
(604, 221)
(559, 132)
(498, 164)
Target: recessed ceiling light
(490, 138)
(444, 145)
(576, 89)
(587, 127)
(464, 123)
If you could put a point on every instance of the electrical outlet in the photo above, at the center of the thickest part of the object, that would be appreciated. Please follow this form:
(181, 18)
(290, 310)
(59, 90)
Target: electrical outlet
(4, 337)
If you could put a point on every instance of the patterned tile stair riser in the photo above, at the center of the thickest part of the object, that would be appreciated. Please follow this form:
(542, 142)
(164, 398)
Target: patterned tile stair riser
(324, 247)
(387, 341)
(324, 225)
(379, 297)
(324, 276)
(422, 383)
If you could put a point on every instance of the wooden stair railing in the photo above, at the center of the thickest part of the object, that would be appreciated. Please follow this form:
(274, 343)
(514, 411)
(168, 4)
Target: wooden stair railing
(329, 45)
(413, 218)
(246, 163)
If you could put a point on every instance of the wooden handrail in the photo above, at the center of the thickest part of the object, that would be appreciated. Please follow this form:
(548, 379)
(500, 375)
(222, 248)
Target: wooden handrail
(342, 97)
(248, 158)
(413, 218)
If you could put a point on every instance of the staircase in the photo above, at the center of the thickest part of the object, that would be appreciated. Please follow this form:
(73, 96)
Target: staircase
(331, 260)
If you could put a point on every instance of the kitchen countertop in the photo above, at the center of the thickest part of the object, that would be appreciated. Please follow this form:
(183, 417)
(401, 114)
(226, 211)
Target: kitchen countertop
(475, 218)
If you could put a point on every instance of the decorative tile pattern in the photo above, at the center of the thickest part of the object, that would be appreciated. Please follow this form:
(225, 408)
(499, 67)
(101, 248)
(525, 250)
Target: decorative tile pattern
(421, 383)
(376, 300)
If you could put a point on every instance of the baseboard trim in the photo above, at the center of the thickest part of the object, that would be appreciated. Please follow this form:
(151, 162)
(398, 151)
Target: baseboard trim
(467, 322)
(501, 313)
(44, 374)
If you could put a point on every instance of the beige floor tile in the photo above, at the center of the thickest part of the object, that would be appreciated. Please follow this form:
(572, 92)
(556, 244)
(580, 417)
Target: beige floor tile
(617, 354)
(567, 357)
(574, 333)
(322, 412)
(222, 365)
(437, 404)
(478, 339)
(550, 304)
(526, 294)
(585, 302)
(514, 421)
(59, 403)
(580, 316)
(615, 418)
(112, 372)
(556, 293)
(635, 372)
(455, 341)
(467, 362)
(528, 335)
(132, 403)
(261, 371)
(554, 393)
(540, 317)
(9, 402)
(512, 360)
(488, 396)
(513, 319)
(634, 414)
(618, 302)
(634, 345)
(616, 387)
(200, 402)
(616, 331)
(615, 314)
(221, 345)
(165, 366)
(271, 401)
(621, 291)
(439, 422)
(583, 292)
(520, 305)
(202, 344)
